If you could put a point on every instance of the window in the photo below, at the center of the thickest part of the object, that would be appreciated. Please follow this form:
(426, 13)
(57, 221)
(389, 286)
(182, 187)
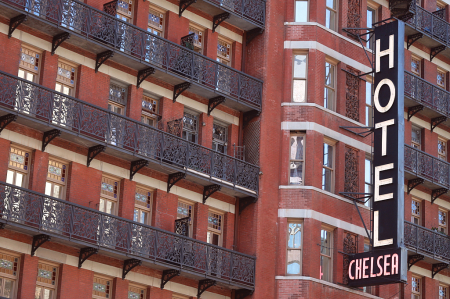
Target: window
(9, 270)
(371, 19)
(46, 281)
(198, 37)
(369, 105)
(416, 212)
(56, 179)
(155, 22)
(416, 65)
(329, 92)
(416, 288)
(443, 291)
(294, 248)
(297, 158)
(18, 167)
(440, 79)
(215, 221)
(29, 64)
(327, 170)
(220, 137)
(442, 149)
(109, 195)
(325, 255)
(416, 137)
(118, 96)
(299, 84)
(224, 52)
(125, 10)
(301, 11)
(150, 108)
(443, 221)
(186, 209)
(367, 178)
(102, 287)
(440, 6)
(190, 127)
(142, 205)
(136, 292)
(65, 79)
(331, 21)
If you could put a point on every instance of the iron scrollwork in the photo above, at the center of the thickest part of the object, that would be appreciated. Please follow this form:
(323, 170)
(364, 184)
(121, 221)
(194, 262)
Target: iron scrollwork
(351, 170)
(352, 96)
(350, 248)
(354, 15)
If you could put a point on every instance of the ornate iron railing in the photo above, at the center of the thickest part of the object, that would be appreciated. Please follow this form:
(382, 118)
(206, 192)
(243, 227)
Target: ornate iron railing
(429, 23)
(78, 117)
(427, 241)
(427, 167)
(69, 221)
(150, 49)
(253, 10)
(427, 94)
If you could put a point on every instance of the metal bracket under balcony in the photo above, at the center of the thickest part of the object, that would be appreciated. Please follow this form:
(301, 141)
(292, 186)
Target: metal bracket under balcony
(179, 88)
(128, 265)
(218, 19)
(437, 121)
(203, 285)
(58, 40)
(436, 193)
(399, 7)
(86, 253)
(101, 58)
(412, 259)
(214, 102)
(413, 110)
(436, 268)
(367, 130)
(182, 226)
(435, 51)
(184, 4)
(168, 275)
(15, 22)
(242, 293)
(174, 178)
(245, 202)
(252, 34)
(49, 136)
(6, 120)
(413, 38)
(37, 242)
(414, 183)
(143, 74)
(210, 190)
(93, 152)
(136, 166)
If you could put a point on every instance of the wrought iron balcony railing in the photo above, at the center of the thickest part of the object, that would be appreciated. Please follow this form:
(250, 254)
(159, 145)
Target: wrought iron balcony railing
(141, 47)
(251, 10)
(428, 242)
(427, 167)
(430, 23)
(67, 221)
(81, 119)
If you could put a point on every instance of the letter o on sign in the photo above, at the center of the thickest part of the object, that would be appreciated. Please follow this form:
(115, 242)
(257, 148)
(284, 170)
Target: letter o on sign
(376, 100)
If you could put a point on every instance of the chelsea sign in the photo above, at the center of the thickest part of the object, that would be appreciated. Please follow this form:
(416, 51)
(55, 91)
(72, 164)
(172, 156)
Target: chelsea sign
(387, 262)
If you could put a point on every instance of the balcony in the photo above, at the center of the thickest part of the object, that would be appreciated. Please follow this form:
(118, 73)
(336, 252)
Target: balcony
(77, 226)
(79, 122)
(97, 32)
(434, 246)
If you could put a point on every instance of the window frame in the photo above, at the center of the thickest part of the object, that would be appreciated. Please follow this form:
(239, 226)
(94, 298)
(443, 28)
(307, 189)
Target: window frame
(374, 7)
(196, 116)
(14, 169)
(71, 86)
(332, 144)
(129, 17)
(413, 143)
(444, 73)
(25, 69)
(11, 277)
(221, 58)
(415, 216)
(415, 293)
(305, 79)
(295, 10)
(201, 32)
(216, 141)
(162, 15)
(147, 209)
(43, 285)
(115, 104)
(335, 11)
(192, 216)
(419, 60)
(298, 134)
(107, 197)
(330, 230)
(447, 290)
(140, 288)
(216, 231)
(369, 106)
(332, 87)
(301, 222)
(107, 279)
(368, 185)
(52, 181)
(442, 156)
(442, 228)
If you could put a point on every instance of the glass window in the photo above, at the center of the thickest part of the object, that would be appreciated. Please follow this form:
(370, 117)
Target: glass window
(109, 195)
(102, 287)
(416, 137)
(443, 221)
(56, 179)
(416, 288)
(215, 221)
(155, 22)
(190, 127)
(29, 64)
(329, 92)
(186, 209)
(327, 170)
(125, 10)
(442, 149)
(224, 52)
(9, 271)
(142, 205)
(369, 106)
(296, 161)
(301, 11)
(371, 19)
(325, 255)
(416, 65)
(299, 84)
(416, 212)
(198, 37)
(294, 248)
(443, 291)
(46, 281)
(367, 179)
(220, 137)
(136, 292)
(331, 14)
(440, 6)
(18, 167)
(65, 79)
(118, 96)
(440, 79)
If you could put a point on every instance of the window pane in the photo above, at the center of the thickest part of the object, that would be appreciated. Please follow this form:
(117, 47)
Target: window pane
(367, 171)
(293, 261)
(144, 217)
(368, 93)
(21, 74)
(296, 176)
(102, 205)
(325, 266)
(325, 237)
(331, 4)
(8, 291)
(295, 235)
(297, 147)
(57, 191)
(299, 93)
(48, 189)
(136, 215)
(301, 11)
(328, 98)
(19, 179)
(327, 155)
(329, 74)
(330, 19)
(10, 177)
(30, 77)
(326, 179)
(300, 66)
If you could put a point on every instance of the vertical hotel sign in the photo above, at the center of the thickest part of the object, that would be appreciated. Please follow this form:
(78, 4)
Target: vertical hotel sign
(386, 263)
